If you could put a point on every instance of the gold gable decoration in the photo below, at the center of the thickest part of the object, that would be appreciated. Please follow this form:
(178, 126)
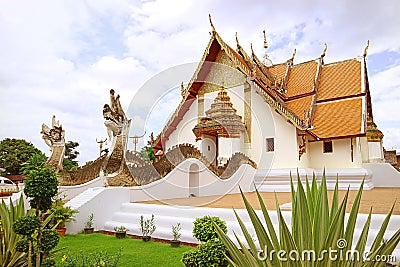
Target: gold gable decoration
(221, 119)
(373, 133)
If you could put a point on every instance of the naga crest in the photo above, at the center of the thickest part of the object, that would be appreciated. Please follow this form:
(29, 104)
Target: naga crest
(114, 116)
(55, 135)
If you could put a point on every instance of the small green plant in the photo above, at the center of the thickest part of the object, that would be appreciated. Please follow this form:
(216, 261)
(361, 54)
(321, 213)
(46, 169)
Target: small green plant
(120, 229)
(96, 259)
(89, 222)
(9, 240)
(175, 231)
(204, 229)
(315, 227)
(62, 214)
(147, 226)
(211, 251)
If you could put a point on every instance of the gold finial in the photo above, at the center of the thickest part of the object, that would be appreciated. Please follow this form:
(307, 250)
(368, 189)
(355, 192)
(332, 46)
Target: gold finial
(265, 40)
(366, 49)
(237, 40)
(182, 89)
(324, 52)
(251, 47)
(294, 54)
(212, 25)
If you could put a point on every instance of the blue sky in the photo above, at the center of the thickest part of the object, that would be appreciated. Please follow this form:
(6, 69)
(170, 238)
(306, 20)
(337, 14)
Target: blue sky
(62, 57)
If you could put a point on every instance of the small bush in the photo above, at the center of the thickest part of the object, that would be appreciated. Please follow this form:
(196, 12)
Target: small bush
(22, 246)
(209, 253)
(26, 225)
(204, 230)
(50, 239)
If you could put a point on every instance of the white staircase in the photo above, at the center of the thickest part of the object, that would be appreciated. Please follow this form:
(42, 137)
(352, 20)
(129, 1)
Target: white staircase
(165, 216)
(84, 197)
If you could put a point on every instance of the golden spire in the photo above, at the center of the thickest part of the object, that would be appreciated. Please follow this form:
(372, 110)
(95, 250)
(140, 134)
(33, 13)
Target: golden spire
(212, 25)
(267, 61)
(265, 40)
(251, 47)
(237, 40)
(324, 52)
(366, 49)
(294, 53)
(182, 89)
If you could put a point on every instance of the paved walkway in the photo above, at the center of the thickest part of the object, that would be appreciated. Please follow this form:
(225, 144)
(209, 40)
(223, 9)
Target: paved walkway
(380, 199)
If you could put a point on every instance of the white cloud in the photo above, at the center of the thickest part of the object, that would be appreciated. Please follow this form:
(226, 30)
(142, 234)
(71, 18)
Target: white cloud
(63, 57)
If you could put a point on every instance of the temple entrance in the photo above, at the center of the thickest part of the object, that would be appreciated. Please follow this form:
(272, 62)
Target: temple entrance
(194, 182)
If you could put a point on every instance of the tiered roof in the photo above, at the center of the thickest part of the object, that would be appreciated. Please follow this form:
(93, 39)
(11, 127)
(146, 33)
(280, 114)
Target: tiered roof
(326, 101)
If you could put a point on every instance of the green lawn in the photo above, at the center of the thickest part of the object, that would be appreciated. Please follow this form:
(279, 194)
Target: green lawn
(135, 252)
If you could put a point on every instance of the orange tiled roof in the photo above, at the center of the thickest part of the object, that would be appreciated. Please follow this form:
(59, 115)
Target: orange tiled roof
(299, 105)
(301, 79)
(338, 118)
(340, 80)
(278, 70)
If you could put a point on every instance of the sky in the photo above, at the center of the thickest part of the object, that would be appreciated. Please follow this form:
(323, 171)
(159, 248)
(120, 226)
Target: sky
(62, 57)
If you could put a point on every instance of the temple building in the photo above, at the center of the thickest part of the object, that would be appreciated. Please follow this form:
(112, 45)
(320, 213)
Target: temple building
(307, 116)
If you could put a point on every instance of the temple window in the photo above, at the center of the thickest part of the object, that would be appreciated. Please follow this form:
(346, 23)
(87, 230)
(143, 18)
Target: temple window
(328, 147)
(270, 144)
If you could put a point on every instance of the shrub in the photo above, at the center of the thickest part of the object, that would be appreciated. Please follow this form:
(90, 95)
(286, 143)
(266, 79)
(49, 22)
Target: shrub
(315, 227)
(50, 239)
(147, 226)
(210, 253)
(26, 225)
(9, 255)
(22, 246)
(204, 229)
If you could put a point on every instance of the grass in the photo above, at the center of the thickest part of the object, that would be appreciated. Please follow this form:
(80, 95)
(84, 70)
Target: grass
(135, 252)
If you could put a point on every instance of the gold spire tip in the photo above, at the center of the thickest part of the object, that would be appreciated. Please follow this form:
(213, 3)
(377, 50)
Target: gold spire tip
(265, 40)
(294, 54)
(366, 49)
(324, 52)
(211, 23)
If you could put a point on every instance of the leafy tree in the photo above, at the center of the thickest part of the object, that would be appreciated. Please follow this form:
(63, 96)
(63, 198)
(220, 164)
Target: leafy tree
(14, 152)
(41, 188)
(71, 154)
(35, 162)
(147, 152)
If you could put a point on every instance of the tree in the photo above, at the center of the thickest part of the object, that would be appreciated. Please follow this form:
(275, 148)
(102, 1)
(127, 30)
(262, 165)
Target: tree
(14, 152)
(71, 154)
(41, 188)
(35, 162)
(147, 152)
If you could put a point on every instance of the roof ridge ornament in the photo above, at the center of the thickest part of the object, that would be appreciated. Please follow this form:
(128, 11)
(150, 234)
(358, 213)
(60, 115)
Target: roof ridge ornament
(366, 49)
(237, 41)
(267, 61)
(324, 52)
(211, 23)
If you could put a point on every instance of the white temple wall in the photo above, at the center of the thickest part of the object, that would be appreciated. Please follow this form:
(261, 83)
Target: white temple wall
(375, 151)
(208, 147)
(363, 146)
(183, 132)
(262, 126)
(286, 148)
(339, 158)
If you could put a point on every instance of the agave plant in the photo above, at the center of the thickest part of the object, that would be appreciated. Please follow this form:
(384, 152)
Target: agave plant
(316, 229)
(9, 256)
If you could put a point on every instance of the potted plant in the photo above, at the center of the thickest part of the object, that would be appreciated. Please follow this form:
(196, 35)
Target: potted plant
(176, 235)
(89, 224)
(147, 227)
(120, 231)
(62, 215)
